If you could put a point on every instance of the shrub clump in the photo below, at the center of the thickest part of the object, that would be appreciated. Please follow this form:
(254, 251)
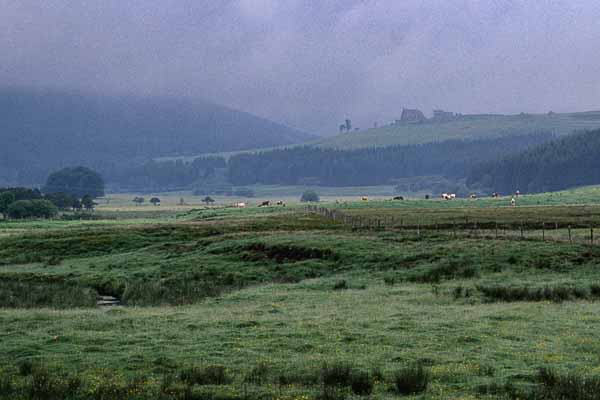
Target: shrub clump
(411, 380)
(310, 196)
(556, 386)
(340, 285)
(389, 280)
(451, 270)
(337, 374)
(258, 375)
(298, 377)
(361, 383)
(337, 377)
(285, 253)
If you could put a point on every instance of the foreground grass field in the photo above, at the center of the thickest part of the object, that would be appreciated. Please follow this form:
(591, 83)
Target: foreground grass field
(276, 303)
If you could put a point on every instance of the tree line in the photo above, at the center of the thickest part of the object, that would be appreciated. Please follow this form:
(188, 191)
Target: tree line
(371, 166)
(169, 175)
(554, 165)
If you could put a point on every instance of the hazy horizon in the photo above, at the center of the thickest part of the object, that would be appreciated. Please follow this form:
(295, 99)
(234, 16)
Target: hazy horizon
(309, 64)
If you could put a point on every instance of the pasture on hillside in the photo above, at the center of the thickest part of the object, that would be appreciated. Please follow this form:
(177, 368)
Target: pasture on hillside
(466, 127)
(280, 303)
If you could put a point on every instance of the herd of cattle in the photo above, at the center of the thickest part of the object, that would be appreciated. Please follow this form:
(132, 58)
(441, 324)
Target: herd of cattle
(267, 203)
(444, 196)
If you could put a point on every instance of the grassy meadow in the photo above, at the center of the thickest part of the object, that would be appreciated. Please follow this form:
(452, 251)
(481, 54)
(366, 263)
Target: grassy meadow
(278, 303)
(466, 127)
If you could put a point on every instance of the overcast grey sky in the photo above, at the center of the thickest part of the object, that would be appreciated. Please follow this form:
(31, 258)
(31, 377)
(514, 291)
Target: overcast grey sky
(312, 63)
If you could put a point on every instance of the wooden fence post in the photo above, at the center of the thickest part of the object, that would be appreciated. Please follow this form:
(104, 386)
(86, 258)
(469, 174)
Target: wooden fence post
(543, 231)
(522, 230)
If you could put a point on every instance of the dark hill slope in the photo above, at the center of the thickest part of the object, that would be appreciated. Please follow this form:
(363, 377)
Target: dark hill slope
(555, 165)
(42, 130)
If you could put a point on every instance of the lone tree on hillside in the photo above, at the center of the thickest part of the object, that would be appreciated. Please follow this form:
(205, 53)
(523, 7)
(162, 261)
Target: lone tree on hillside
(155, 201)
(309, 196)
(76, 181)
(346, 126)
(208, 200)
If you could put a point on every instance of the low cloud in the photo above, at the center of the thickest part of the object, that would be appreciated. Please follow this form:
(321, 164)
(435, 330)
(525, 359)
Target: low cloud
(311, 64)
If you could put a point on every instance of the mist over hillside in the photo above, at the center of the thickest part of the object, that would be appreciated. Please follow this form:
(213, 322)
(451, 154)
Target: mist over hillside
(44, 130)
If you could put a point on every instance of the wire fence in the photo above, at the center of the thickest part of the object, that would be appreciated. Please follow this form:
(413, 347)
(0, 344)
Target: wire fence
(578, 232)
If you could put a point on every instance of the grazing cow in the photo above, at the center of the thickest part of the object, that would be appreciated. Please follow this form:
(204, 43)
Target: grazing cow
(265, 204)
(281, 203)
(365, 198)
(473, 196)
(517, 193)
(495, 195)
(240, 205)
(399, 198)
(448, 196)
(513, 202)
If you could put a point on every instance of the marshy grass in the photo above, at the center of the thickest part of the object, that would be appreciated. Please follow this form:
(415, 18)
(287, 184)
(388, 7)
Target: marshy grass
(557, 386)
(205, 375)
(32, 294)
(555, 294)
